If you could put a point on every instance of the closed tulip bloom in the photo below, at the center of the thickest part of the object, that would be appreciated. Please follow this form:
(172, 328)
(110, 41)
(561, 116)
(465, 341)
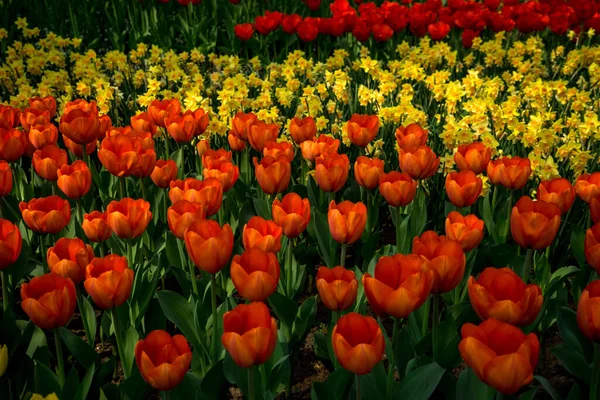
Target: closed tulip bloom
(588, 310)
(11, 243)
(260, 133)
(202, 120)
(398, 188)
(362, 129)
(400, 286)
(202, 147)
(534, 224)
(347, 221)
(358, 343)
(74, 180)
(558, 191)
(243, 31)
(501, 355)
(255, 274)
(411, 135)
(163, 360)
(419, 162)
(236, 143)
(475, 157)
(95, 226)
(588, 186)
(510, 172)
(143, 122)
(160, 110)
(224, 171)
(77, 149)
(42, 135)
(165, 171)
(209, 245)
(292, 214)
(463, 188)
(240, 124)
(468, 230)
(303, 129)
(276, 149)
(210, 155)
(119, 154)
(337, 287)
(47, 214)
(9, 117)
(32, 117)
(446, 259)
(331, 171)
(80, 126)
(69, 257)
(501, 294)
(273, 174)
(594, 205)
(249, 334)
(145, 162)
(47, 161)
(266, 235)
(128, 218)
(182, 214)
(44, 103)
(109, 281)
(81, 104)
(367, 171)
(6, 178)
(182, 128)
(49, 300)
(208, 192)
(13, 144)
(592, 246)
(324, 144)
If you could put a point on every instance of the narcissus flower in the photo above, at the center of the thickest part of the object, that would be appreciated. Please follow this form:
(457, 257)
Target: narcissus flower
(47, 214)
(588, 310)
(558, 191)
(165, 171)
(96, 227)
(74, 180)
(468, 230)
(592, 246)
(362, 129)
(446, 259)
(47, 161)
(347, 221)
(418, 162)
(358, 343)
(49, 300)
(209, 245)
(411, 136)
(260, 133)
(6, 178)
(182, 214)
(273, 174)
(501, 355)
(109, 281)
(160, 110)
(463, 188)
(475, 157)
(337, 287)
(534, 224)
(266, 235)
(128, 218)
(398, 188)
(207, 192)
(588, 186)
(510, 172)
(331, 171)
(302, 129)
(292, 214)
(312, 149)
(367, 171)
(69, 257)
(255, 274)
(11, 243)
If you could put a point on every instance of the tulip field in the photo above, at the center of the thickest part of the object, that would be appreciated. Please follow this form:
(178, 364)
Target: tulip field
(307, 199)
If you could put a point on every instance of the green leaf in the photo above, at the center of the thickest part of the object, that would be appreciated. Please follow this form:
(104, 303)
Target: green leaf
(334, 388)
(575, 392)
(447, 351)
(320, 345)
(133, 388)
(548, 387)
(71, 384)
(469, 387)
(529, 395)
(131, 338)
(177, 156)
(213, 380)
(191, 388)
(577, 244)
(572, 361)
(46, 381)
(90, 317)
(327, 246)
(174, 252)
(403, 350)
(284, 307)
(181, 313)
(262, 208)
(305, 318)
(280, 374)
(571, 334)
(488, 218)
(421, 383)
(84, 387)
(81, 350)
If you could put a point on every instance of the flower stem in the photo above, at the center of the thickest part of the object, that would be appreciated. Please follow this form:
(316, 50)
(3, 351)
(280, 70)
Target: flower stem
(526, 267)
(120, 344)
(251, 393)
(499, 395)
(289, 260)
(130, 255)
(79, 211)
(595, 383)
(59, 358)
(85, 155)
(510, 202)
(357, 386)
(343, 256)
(5, 302)
(44, 254)
(89, 335)
(425, 322)
(391, 367)
(434, 325)
(215, 336)
(122, 187)
(398, 232)
(192, 277)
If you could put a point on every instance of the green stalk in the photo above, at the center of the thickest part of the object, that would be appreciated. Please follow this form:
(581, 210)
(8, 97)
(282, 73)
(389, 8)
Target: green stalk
(251, 394)
(130, 255)
(120, 344)
(288, 267)
(357, 386)
(85, 155)
(59, 358)
(499, 395)
(526, 267)
(595, 383)
(391, 367)
(44, 254)
(143, 186)
(89, 335)
(343, 256)
(510, 202)
(192, 277)
(79, 211)
(435, 332)
(399, 248)
(425, 322)
(122, 187)
(215, 337)
(5, 302)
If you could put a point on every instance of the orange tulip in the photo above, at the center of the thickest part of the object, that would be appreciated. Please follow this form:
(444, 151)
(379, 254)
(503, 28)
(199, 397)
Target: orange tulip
(208, 192)
(275, 149)
(202, 120)
(13, 144)
(75, 180)
(475, 157)
(255, 274)
(240, 125)
(501, 355)
(411, 135)
(163, 360)
(45, 103)
(236, 143)
(209, 245)
(11, 243)
(512, 173)
(109, 281)
(592, 246)
(47, 161)
(534, 224)
(9, 117)
(32, 117)
(419, 162)
(331, 171)
(292, 214)
(324, 144)
(69, 257)
(400, 286)
(145, 163)
(588, 310)
(160, 110)
(210, 155)
(224, 171)
(467, 230)
(337, 287)
(501, 294)
(446, 259)
(558, 191)
(143, 122)
(398, 188)
(81, 104)
(119, 154)
(273, 174)
(128, 218)
(588, 186)
(81, 127)
(49, 300)
(95, 226)
(165, 171)
(182, 214)
(347, 221)
(47, 214)
(594, 205)
(6, 178)
(367, 171)
(362, 129)
(358, 343)
(266, 235)
(202, 147)
(260, 133)
(42, 135)
(463, 188)
(77, 148)
(303, 129)
(249, 334)
(182, 127)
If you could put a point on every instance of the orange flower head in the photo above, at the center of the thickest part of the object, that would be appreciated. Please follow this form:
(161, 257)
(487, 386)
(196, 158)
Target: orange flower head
(594, 205)
(223, 171)
(588, 186)
(182, 127)
(367, 171)
(202, 147)
(49, 300)
(48, 161)
(165, 171)
(411, 136)
(6, 178)
(419, 162)
(163, 360)
(69, 257)
(475, 157)
(13, 144)
(358, 343)
(534, 224)
(202, 120)
(331, 171)
(249, 334)
(182, 214)
(446, 259)
(9, 117)
(44, 103)
(398, 188)
(273, 174)
(209, 245)
(463, 188)
(81, 104)
(558, 191)
(109, 281)
(292, 214)
(240, 125)
(275, 149)
(501, 355)
(324, 144)
(510, 172)
(143, 122)
(145, 162)
(362, 129)
(400, 286)
(468, 230)
(337, 287)
(347, 221)
(77, 149)
(160, 110)
(47, 214)
(128, 218)
(11, 243)
(33, 116)
(210, 155)
(592, 246)
(95, 226)
(255, 274)
(588, 310)
(303, 129)
(236, 143)
(120, 154)
(74, 180)
(42, 135)
(266, 235)
(260, 133)
(208, 192)
(81, 127)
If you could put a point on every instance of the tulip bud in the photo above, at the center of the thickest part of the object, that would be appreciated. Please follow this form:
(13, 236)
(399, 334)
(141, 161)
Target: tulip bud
(358, 343)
